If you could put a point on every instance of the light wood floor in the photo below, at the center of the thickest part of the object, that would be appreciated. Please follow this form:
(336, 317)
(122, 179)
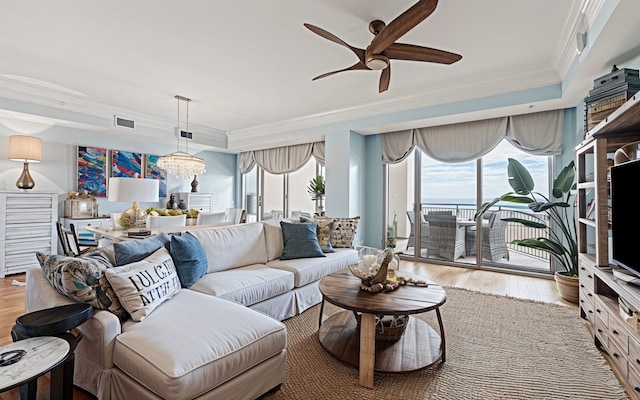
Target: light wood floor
(540, 289)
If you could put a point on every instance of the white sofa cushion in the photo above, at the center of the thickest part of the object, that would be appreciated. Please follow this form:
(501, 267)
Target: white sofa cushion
(194, 343)
(307, 270)
(246, 285)
(273, 238)
(233, 246)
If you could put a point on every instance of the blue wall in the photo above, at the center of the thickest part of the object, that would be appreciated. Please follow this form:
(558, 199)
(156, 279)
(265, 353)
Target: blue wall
(58, 170)
(374, 228)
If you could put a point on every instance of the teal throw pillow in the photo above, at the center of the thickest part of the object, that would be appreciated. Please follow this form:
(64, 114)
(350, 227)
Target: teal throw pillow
(189, 258)
(131, 251)
(300, 241)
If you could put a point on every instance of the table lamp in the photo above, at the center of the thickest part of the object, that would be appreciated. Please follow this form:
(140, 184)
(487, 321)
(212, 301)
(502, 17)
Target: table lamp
(134, 190)
(26, 149)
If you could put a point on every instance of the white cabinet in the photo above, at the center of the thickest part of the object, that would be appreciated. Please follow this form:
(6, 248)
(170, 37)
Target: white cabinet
(27, 225)
(198, 201)
(85, 237)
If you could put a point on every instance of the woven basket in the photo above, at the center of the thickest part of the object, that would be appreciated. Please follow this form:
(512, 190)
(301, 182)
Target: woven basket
(389, 328)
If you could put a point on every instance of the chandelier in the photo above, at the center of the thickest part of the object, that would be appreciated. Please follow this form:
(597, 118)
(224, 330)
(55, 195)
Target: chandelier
(180, 163)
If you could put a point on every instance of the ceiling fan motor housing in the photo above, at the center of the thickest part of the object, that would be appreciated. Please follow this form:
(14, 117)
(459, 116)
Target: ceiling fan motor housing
(376, 61)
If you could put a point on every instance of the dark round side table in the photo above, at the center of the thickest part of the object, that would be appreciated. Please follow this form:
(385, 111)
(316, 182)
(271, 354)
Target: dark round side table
(59, 322)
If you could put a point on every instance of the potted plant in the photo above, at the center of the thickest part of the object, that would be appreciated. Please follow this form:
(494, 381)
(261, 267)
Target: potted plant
(316, 190)
(192, 216)
(561, 243)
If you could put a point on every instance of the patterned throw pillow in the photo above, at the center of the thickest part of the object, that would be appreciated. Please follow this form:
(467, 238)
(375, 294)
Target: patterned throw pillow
(82, 279)
(323, 232)
(344, 231)
(143, 285)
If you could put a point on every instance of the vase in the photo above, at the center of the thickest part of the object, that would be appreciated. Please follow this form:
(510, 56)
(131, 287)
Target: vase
(134, 217)
(194, 184)
(319, 206)
(567, 286)
(171, 204)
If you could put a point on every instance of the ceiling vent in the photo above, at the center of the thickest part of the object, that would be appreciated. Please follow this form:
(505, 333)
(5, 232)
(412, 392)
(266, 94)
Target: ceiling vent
(124, 123)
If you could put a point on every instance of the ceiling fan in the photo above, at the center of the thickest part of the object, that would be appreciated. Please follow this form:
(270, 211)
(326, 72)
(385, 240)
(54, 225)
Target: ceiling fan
(383, 48)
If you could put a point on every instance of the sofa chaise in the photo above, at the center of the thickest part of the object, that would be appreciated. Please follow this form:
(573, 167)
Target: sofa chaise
(214, 336)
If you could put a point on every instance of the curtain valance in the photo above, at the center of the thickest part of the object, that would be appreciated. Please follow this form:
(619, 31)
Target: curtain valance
(537, 133)
(280, 160)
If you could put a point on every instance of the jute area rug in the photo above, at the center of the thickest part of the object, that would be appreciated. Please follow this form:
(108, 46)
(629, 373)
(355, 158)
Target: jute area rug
(497, 348)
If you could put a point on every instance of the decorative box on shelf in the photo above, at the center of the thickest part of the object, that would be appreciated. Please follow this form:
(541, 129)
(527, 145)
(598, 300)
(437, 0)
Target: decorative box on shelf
(78, 208)
(609, 93)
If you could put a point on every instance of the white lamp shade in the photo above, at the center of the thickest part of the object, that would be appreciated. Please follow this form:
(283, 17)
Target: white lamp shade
(133, 189)
(25, 148)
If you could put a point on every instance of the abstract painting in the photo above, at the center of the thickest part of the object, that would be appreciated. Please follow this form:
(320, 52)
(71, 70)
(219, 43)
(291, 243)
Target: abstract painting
(92, 171)
(152, 171)
(125, 164)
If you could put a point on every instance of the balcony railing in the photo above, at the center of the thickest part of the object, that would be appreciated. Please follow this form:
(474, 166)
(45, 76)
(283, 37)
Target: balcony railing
(514, 230)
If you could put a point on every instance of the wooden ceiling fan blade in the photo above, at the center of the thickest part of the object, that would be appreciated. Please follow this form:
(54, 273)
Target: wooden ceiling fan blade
(402, 24)
(385, 77)
(410, 52)
(354, 67)
(330, 36)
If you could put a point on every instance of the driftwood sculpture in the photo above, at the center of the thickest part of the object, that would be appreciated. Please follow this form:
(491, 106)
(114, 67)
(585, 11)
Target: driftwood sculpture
(380, 282)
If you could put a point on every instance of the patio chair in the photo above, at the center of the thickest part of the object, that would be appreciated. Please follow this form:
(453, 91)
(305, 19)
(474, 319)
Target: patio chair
(424, 231)
(274, 214)
(494, 243)
(446, 238)
(449, 212)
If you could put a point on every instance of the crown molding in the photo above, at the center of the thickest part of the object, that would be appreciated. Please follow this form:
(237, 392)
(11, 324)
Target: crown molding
(65, 109)
(313, 127)
(566, 51)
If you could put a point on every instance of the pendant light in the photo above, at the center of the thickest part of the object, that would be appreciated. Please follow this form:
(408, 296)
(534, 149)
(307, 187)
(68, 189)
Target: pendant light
(180, 163)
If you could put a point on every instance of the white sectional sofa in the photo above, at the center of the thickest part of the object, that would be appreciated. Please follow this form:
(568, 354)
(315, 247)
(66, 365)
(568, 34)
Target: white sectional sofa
(220, 338)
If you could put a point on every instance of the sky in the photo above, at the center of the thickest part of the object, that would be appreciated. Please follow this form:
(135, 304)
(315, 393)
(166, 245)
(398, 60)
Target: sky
(458, 181)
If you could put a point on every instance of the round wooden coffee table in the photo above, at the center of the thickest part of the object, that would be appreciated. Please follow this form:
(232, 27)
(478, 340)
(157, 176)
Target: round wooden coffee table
(419, 347)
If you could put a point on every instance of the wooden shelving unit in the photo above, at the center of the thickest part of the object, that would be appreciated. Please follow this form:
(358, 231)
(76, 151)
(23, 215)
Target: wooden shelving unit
(601, 293)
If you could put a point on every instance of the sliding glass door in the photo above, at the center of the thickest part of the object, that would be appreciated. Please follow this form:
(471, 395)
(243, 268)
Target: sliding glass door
(277, 196)
(495, 183)
(438, 224)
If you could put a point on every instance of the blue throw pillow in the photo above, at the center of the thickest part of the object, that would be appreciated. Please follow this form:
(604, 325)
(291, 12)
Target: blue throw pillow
(131, 251)
(300, 241)
(189, 258)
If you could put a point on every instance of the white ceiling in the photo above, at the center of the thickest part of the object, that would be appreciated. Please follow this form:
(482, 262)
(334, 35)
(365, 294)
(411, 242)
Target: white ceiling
(248, 65)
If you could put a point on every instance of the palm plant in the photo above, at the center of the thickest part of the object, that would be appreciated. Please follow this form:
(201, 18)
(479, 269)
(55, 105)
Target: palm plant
(316, 188)
(561, 243)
